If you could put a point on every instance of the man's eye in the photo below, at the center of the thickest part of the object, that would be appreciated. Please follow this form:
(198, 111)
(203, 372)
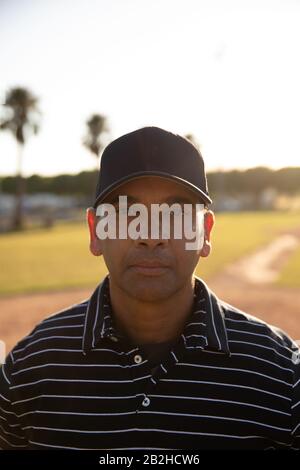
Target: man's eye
(122, 209)
(183, 210)
(178, 211)
(188, 209)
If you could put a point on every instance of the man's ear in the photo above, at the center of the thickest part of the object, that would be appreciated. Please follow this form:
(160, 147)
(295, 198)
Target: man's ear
(95, 242)
(209, 220)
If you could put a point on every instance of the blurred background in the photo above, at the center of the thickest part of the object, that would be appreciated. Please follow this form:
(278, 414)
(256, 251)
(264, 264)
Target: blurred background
(75, 75)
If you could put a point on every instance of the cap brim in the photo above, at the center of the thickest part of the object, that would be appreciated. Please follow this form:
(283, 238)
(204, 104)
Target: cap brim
(202, 195)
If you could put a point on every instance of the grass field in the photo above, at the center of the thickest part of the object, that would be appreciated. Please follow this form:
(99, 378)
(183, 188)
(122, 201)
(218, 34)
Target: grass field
(58, 258)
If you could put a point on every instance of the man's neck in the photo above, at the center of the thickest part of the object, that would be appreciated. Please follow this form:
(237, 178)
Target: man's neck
(151, 322)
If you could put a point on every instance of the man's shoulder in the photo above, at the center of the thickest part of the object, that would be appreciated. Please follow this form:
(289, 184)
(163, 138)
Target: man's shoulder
(245, 328)
(72, 311)
(64, 323)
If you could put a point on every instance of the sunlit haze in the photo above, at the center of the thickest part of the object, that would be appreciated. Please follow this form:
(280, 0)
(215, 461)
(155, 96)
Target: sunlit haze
(226, 71)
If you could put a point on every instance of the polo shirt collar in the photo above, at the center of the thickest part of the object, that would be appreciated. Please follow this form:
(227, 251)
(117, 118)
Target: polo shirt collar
(205, 328)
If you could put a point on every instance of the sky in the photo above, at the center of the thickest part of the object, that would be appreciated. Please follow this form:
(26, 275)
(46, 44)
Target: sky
(226, 71)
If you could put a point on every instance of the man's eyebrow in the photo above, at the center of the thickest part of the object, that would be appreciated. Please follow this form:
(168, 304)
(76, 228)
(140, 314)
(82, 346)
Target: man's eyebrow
(130, 199)
(179, 200)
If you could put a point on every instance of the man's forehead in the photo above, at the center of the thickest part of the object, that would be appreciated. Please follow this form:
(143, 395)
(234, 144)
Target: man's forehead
(153, 187)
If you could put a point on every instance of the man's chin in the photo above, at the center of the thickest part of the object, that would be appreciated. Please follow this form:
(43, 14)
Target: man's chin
(152, 288)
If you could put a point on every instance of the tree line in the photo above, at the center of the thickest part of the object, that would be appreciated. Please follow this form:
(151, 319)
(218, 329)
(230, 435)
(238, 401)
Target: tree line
(252, 180)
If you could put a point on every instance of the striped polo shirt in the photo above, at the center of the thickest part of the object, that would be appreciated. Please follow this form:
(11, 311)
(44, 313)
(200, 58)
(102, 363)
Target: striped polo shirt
(230, 381)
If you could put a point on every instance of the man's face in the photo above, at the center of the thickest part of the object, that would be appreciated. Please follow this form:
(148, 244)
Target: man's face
(148, 269)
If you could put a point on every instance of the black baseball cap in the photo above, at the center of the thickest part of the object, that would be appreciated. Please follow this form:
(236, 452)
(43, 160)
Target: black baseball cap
(151, 151)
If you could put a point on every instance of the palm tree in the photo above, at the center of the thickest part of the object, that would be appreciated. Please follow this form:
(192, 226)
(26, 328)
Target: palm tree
(21, 117)
(94, 139)
(96, 127)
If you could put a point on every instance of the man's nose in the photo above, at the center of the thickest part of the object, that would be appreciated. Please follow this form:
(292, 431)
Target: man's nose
(151, 242)
(155, 233)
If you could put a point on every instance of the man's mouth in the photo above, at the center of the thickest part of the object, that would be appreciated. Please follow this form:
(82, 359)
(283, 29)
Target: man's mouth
(149, 267)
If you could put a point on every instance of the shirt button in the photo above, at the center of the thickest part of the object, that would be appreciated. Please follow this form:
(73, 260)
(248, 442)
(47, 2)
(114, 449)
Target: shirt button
(114, 338)
(296, 358)
(146, 402)
(137, 359)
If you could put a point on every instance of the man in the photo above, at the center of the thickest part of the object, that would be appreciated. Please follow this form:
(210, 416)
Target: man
(153, 360)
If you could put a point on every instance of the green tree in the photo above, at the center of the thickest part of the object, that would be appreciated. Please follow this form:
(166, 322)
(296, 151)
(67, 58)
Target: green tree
(94, 140)
(96, 129)
(21, 117)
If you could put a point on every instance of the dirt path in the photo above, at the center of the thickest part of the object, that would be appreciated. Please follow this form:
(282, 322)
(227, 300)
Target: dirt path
(265, 264)
(20, 313)
(247, 284)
